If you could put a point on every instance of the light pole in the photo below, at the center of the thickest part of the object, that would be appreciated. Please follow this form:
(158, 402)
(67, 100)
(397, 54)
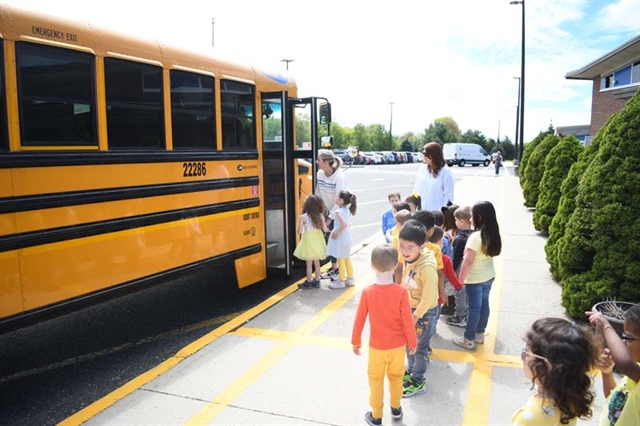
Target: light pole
(521, 102)
(516, 154)
(390, 127)
(287, 61)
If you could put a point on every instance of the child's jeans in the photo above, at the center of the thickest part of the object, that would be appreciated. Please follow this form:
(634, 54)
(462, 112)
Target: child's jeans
(425, 329)
(461, 302)
(345, 268)
(391, 362)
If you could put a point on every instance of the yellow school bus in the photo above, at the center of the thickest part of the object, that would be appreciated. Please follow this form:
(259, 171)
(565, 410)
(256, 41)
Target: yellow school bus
(125, 162)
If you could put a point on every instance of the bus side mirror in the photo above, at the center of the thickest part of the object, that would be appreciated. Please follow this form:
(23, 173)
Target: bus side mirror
(326, 141)
(325, 113)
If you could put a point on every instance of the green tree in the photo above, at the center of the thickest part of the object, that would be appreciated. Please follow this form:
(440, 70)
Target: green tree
(474, 136)
(535, 170)
(556, 168)
(566, 205)
(361, 137)
(601, 257)
(529, 148)
(443, 130)
(406, 146)
(506, 147)
(378, 137)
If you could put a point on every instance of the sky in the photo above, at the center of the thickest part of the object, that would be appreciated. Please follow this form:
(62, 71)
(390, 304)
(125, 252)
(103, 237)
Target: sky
(430, 58)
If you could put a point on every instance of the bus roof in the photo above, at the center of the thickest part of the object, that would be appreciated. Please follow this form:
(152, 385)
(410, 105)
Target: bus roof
(17, 24)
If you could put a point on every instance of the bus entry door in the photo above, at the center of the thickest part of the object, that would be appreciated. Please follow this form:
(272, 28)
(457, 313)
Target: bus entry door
(278, 177)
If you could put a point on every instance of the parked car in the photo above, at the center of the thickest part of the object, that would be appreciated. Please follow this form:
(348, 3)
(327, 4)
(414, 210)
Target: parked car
(344, 155)
(388, 156)
(465, 153)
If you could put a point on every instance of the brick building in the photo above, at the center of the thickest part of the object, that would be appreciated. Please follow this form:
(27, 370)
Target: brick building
(616, 78)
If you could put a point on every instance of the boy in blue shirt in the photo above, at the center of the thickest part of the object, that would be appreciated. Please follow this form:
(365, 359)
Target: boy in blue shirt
(388, 222)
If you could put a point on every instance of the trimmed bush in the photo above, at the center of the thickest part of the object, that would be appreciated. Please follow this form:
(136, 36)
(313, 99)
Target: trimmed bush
(556, 168)
(535, 169)
(567, 204)
(526, 154)
(600, 258)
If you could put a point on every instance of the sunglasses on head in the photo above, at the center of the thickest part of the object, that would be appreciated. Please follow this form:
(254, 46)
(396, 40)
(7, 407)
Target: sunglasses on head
(628, 338)
(524, 352)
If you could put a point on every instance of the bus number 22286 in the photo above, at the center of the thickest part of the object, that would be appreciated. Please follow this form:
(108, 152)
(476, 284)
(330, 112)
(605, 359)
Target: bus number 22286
(194, 169)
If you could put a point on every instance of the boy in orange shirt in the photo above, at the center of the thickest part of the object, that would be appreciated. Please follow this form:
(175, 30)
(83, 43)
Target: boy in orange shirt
(391, 330)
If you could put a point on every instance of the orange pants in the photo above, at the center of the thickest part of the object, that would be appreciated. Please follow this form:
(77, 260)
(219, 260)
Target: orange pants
(391, 362)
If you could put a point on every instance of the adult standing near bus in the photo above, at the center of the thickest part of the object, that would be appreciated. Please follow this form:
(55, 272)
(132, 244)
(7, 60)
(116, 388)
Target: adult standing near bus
(434, 182)
(330, 181)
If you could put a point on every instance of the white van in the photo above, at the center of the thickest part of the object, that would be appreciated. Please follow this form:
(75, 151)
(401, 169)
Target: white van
(465, 153)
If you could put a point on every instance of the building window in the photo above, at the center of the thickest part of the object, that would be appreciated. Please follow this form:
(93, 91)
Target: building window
(627, 75)
(56, 96)
(134, 105)
(238, 120)
(635, 73)
(192, 113)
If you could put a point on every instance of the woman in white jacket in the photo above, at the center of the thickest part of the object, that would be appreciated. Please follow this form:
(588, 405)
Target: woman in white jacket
(434, 181)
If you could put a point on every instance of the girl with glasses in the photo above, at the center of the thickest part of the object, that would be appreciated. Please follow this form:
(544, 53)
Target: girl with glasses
(557, 357)
(622, 406)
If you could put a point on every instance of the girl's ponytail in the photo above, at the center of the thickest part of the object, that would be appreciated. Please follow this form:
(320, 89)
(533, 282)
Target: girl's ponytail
(353, 204)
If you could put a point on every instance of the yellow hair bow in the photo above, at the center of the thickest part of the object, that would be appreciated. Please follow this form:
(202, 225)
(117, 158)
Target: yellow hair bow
(415, 195)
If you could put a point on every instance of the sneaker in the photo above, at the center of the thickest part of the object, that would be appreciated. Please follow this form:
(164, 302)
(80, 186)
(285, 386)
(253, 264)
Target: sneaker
(412, 387)
(407, 376)
(373, 421)
(329, 273)
(315, 284)
(464, 343)
(457, 321)
(305, 285)
(396, 412)
(336, 285)
(349, 282)
(479, 338)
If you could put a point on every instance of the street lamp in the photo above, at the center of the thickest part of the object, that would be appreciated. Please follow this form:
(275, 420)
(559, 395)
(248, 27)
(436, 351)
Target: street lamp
(516, 154)
(287, 61)
(390, 126)
(521, 102)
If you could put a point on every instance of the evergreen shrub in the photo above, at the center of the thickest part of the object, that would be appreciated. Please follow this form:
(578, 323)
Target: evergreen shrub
(535, 169)
(526, 154)
(567, 204)
(556, 167)
(600, 258)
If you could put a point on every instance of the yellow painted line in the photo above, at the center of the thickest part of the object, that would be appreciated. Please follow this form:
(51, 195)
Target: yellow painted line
(120, 393)
(477, 408)
(105, 402)
(235, 389)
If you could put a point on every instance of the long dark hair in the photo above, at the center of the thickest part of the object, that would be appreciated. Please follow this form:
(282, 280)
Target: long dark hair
(485, 221)
(314, 208)
(349, 200)
(433, 150)
(569, 351)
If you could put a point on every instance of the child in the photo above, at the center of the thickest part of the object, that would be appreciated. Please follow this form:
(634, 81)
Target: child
(463, 223)
(339, 245)
(414, 200)
(391, 330)
(622, 406)
(451, 284)
(557, 357)
(388, 221)
(312, 247)
(439, 222)
(449, 223)
(421, 280)
(477, 272)
(428, 220)
(398, 207)
(400, 217)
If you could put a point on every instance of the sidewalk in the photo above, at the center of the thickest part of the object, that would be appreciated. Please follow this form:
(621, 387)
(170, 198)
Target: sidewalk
(288, 361)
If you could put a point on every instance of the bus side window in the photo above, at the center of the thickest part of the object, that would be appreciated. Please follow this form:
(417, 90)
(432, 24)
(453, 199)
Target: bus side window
(56, 96)
(135, 116)
(238, 119)
(4, 137)
(192, 110)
